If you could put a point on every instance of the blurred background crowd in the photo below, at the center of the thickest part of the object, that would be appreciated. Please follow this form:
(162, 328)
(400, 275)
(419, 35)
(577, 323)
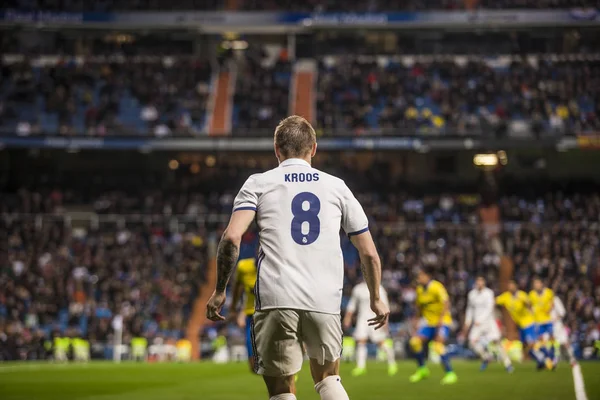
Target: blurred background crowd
(90, 233)
(144, 254)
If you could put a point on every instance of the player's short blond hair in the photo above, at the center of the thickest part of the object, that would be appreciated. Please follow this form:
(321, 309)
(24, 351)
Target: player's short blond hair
(295, 137)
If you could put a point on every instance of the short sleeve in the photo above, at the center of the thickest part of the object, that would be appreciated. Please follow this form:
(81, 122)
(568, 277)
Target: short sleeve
(354, 219)
(247, 198)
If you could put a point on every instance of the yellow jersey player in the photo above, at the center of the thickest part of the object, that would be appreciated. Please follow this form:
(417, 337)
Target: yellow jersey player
(542, 303)
(519, 307)
(433, 305)
(244, 285)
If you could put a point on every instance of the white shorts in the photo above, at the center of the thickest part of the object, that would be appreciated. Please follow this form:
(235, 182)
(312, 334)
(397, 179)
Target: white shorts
(487, 331)
(365, 332)
(278, 335)
(560, 333)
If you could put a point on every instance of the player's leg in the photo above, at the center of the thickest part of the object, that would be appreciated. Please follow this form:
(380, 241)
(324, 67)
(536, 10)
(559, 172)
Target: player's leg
(250, 343)
(479, 346)
(528, 338)
(439, 344)
(388, 349)
(417, 345)
(278, 351)
(361, 358)
(385, 345)
(361, 335)
(504, 356)
(545, 344)
(494, 335)
(561, 337)
(322, 335)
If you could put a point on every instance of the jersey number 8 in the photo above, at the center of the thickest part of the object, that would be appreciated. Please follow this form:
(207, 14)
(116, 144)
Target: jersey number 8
(310, 216)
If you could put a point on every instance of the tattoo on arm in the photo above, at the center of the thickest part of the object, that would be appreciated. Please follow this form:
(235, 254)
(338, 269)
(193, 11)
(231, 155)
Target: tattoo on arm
(227, 255)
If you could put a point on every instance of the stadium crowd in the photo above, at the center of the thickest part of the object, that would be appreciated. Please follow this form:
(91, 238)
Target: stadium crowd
(168, 97)
(59, 276)
(122, 96)
(495, 97)
(305, 6)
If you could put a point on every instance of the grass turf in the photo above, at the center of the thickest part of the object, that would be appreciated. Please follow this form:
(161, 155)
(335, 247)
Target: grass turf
(207, 381)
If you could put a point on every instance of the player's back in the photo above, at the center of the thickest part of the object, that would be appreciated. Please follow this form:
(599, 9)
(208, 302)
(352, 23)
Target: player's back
(430, 300)
(517, 306)
(482, 304)
(542, 303)
(299, 213)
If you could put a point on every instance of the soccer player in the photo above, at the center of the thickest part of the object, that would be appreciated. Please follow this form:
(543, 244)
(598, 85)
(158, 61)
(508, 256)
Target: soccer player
(299, 211)
(542, 303)
(519, 307)
(481, 324)
(433, 305)
(244, 285)
(359, 304)
(560, 332)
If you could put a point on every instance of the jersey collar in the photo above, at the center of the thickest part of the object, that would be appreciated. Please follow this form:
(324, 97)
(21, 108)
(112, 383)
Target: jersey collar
(294, 161)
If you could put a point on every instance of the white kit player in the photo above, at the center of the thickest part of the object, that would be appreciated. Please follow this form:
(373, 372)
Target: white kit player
(561, 335)
(299, 211)
(481, 324)
(359, 305)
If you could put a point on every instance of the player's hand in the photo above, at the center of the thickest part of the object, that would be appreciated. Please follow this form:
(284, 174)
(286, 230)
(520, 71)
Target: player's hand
(382, 312)
(214, 306)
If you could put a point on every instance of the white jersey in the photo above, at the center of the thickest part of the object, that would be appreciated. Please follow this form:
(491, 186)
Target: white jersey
(360, 302)
(299, 212)
(480, 306)
(558, 311)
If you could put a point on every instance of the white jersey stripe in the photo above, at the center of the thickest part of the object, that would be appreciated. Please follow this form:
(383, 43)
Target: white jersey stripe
(358, 232)
(261, 257)
(244, 208)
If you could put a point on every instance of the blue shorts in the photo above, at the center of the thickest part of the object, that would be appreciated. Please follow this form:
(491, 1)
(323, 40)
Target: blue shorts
(249, 343)
(543, 329)
(431, 332)
(528, 334)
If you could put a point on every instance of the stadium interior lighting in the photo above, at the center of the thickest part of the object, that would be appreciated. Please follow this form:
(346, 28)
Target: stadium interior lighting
(173, 164)
(485, 160)
(210, 161)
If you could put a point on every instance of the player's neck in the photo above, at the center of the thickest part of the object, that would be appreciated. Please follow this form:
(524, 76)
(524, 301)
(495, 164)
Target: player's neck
(307, 159)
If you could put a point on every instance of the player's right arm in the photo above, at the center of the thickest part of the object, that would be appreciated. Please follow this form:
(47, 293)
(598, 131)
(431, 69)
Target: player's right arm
(356, 226)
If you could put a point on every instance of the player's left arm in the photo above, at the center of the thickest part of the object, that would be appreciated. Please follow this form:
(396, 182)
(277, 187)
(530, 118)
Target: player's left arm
(227, 254)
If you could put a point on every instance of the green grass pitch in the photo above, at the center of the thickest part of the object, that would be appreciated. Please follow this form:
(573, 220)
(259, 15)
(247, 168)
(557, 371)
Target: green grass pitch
(207, 381)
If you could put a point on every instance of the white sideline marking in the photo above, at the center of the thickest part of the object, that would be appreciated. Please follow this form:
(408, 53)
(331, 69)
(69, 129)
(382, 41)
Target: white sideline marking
(578, 383)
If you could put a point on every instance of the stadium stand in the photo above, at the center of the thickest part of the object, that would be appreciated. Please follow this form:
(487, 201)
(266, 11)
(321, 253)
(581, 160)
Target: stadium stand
(145, 256)
(122, 96)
